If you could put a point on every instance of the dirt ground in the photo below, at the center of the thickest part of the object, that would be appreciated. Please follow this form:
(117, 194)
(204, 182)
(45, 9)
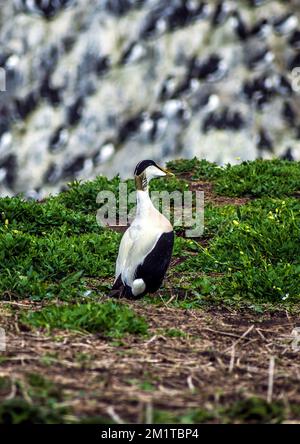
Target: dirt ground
(223, 356)
(211, 197)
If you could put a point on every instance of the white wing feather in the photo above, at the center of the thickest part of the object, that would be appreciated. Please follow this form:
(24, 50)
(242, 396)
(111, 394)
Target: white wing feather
(135, 245)
(125, 246)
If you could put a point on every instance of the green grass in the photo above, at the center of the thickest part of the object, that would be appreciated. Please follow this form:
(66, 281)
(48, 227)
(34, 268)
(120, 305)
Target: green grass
(260, 178)
(174, 333)
(252, 410)
(56, 253)
(55, 248)
(110, 318)
(44, 405)
(19, 411)
(40, 219)
(54, 265)
(272, 178)
(199, 169)
(4, 385)
(255, 249)
(49, 249)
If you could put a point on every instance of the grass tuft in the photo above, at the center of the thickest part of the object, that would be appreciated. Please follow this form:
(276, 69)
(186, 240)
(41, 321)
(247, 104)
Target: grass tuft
(110, 318)
(272, 178)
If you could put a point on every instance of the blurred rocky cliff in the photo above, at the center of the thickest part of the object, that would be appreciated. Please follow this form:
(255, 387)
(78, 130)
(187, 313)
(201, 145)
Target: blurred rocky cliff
(93, 86)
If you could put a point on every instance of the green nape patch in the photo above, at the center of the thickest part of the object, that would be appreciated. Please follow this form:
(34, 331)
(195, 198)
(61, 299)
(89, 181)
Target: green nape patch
(111, 319)
(272, 178)
(253, 410)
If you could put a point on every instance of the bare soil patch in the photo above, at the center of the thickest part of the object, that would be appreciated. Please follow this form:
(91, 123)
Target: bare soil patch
(211, 197)
(223, 356)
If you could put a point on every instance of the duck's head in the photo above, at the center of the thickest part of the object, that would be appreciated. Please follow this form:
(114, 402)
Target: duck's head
(147, 170)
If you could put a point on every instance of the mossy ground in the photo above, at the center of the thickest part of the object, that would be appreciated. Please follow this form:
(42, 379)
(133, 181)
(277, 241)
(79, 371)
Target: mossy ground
(178, 356)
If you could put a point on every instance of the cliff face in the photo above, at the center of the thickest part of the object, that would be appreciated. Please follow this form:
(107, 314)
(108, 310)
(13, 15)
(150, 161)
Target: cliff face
(94, 86)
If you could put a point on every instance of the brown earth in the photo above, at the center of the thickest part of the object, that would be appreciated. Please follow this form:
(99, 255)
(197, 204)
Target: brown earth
(211, 197)
(224, 356)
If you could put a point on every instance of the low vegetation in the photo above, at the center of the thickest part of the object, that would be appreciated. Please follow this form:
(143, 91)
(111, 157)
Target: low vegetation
(50, 249)
(109, 318)
(273, 178)
(58, 261)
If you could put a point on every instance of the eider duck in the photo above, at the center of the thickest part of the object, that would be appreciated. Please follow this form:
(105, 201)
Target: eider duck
(146, 247)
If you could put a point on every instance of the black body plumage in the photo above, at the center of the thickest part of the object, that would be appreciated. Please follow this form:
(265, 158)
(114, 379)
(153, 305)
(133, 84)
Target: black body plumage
(152, 270)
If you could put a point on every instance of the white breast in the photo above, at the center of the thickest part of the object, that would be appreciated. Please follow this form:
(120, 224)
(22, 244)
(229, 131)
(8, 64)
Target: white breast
(140, 238)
